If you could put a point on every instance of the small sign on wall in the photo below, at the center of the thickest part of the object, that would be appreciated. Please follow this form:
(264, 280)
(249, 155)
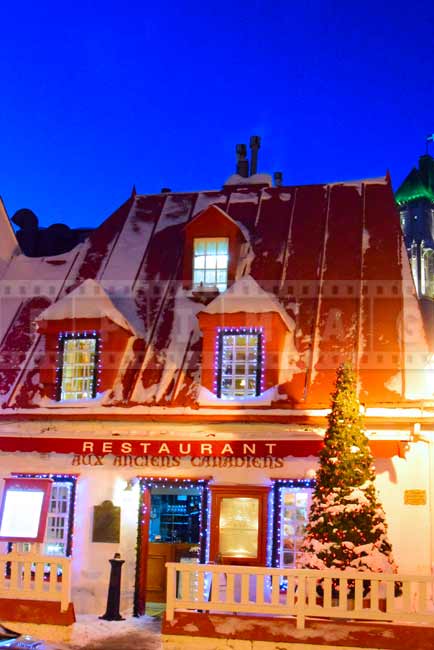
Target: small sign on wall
(106, 523)
(415, 497)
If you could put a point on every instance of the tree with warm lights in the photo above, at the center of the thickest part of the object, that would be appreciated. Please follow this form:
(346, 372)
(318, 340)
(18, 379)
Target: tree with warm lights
(346, 528)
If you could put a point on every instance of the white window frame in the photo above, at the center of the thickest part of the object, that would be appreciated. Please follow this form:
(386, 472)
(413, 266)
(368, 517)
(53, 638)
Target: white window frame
(210, 262)
(296, 539)
(240, 363)
(59, 518)
(78, 376)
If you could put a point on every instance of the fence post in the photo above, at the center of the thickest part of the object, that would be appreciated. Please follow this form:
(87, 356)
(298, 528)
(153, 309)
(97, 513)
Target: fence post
(171, 591)
(301, 602)
(66, 585)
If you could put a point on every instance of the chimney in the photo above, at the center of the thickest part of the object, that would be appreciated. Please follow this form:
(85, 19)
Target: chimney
(255, 143)
(242, 168)
(278, 179)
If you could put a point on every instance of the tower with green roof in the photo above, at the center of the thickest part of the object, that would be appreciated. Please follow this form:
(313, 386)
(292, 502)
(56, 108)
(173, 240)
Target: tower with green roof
(415, 199)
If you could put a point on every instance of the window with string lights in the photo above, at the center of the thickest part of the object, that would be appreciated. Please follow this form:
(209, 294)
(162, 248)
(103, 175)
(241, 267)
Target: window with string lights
(292, 501)
(60, 517)
(240, 362)
(78, 365)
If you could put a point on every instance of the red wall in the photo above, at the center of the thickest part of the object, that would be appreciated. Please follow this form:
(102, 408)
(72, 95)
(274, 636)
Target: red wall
(113, 341)
(274, 335)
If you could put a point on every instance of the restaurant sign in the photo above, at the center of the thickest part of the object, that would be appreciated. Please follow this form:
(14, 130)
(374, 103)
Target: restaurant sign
(182, 448)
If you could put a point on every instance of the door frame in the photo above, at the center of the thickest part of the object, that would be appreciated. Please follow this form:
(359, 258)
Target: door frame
(146, 484)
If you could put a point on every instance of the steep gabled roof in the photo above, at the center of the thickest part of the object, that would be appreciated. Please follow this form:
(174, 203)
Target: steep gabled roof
(245, 295)
(330, 256)
(89, 300)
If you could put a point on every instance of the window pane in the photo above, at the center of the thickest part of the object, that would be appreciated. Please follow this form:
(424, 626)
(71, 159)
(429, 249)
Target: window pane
(78, 369)
(295, 513)
(235, 349)
(209, 278)
(199, 247)
(211, 247)
(239, 526)
(222, 261)
(222, 246)
(198, 277)
(211, 254)
(211, 262)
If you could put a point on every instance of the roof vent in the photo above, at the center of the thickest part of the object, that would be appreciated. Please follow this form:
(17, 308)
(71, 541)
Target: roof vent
(242, 168)
(255, 143)
(278, 178)
(165, 190)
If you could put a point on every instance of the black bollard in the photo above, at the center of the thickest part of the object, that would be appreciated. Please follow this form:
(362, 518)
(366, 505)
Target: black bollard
(114, 591)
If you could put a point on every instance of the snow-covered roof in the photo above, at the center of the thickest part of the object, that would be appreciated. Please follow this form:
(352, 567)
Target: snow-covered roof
(254, 179)
(328, 258)
(88, 300)
(246, 295)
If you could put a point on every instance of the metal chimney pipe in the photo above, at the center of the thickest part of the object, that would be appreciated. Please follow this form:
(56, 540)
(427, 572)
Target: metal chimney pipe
(242, 167)
(278, 179)
(255, 143)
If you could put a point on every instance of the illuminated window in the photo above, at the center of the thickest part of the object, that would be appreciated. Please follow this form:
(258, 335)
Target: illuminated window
(239, 363)
(295, 508)
(78, 367)
(59, 518)
(427, 275)
(238, 526)
(210, 262)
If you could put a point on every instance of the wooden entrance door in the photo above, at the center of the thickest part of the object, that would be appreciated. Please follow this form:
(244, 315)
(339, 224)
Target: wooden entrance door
(158, 554)
(153, 553)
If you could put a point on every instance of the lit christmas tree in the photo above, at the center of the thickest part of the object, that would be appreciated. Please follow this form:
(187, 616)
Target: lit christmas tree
(346, 528)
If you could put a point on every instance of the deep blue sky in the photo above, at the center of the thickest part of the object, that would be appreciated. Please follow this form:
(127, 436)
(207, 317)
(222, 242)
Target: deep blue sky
(99, 96)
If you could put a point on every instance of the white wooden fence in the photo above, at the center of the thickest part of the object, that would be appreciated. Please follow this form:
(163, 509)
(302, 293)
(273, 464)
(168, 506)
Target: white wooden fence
(300, 593)
(30, 576)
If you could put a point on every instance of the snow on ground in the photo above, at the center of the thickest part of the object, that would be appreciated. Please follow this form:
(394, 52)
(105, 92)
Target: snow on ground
(91, 633)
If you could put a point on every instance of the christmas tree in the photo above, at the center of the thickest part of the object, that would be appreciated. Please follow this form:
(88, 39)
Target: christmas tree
(346, 528)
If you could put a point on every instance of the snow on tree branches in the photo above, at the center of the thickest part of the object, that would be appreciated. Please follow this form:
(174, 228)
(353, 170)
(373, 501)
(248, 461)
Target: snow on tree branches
(346, 528)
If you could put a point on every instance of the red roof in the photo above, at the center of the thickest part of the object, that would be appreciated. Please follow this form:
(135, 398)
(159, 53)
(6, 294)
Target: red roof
(331, 254)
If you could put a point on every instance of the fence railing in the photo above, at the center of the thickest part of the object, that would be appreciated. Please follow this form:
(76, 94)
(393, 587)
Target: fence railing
(35, 577)
(299, 593)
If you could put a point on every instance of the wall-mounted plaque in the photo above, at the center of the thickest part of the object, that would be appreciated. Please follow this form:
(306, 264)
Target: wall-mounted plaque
(415, 497)
(106, 523)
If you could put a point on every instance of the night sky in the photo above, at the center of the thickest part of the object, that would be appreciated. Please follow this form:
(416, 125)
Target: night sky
(99, 96)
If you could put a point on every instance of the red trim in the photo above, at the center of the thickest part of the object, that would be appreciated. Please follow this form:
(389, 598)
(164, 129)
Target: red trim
(35, 611)
(28, 485)
(282, 630)
(187, 448)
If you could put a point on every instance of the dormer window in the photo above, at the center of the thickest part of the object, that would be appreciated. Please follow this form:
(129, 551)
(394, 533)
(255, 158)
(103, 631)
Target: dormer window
(78, 366)
(212, 250)
(240, 363)
(210, 262)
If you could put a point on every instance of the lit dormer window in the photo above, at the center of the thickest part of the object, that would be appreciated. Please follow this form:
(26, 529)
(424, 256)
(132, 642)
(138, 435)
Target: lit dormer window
(210, 262)
(240, 363)
(78, 366)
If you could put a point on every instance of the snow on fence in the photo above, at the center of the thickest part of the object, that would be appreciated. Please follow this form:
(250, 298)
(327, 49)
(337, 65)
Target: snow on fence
(290, 592)
(30, 576)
